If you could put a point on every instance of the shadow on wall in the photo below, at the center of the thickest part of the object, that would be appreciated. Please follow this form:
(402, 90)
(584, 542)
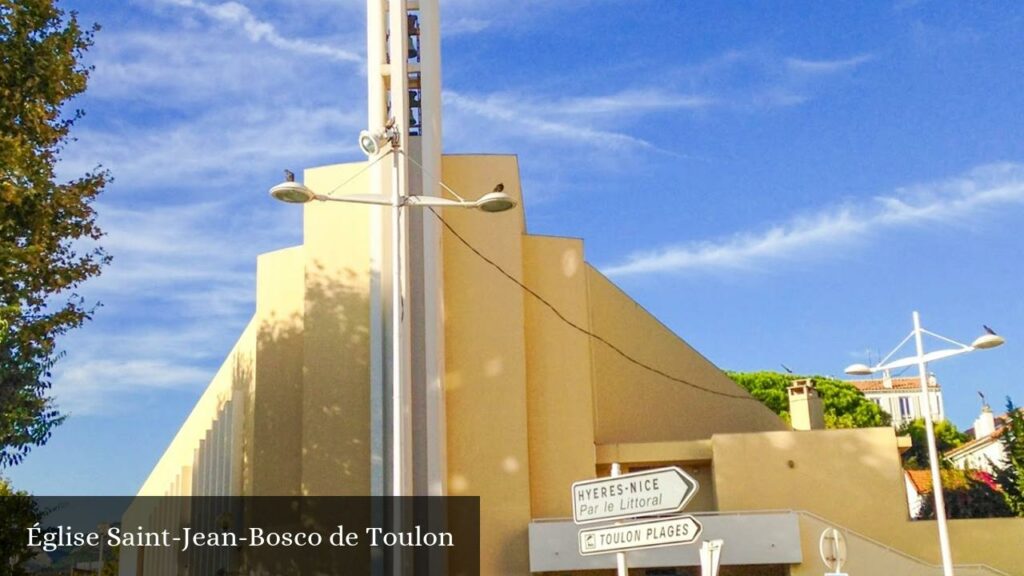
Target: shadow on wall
(309, 427)
(311, 402)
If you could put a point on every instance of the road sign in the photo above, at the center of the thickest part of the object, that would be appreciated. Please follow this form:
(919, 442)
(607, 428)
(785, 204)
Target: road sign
(647, 493)
(638, 535)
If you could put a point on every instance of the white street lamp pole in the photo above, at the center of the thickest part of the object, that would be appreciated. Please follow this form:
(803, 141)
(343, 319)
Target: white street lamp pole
(921, 359)
(401, 383)
(933, 452)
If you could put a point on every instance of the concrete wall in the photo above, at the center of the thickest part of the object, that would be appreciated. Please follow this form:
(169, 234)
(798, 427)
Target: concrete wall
(334, 337)
(867, 556)
(485, 360)
(559, 374)
(633, 404)
(854, 479)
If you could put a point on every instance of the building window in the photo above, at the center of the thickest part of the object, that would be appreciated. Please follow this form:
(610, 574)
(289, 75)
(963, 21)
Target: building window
(905, 412)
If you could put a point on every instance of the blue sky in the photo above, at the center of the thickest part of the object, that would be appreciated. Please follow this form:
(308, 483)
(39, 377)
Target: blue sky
(778, 183)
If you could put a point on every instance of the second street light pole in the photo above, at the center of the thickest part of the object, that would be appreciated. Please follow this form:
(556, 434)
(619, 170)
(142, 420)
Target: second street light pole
(921, 359)
(933, 452)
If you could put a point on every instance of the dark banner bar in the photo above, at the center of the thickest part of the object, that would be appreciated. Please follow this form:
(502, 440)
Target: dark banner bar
(226, 536)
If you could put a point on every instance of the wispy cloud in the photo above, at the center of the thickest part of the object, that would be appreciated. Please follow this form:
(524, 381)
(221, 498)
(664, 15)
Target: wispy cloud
(132, 361)
(759, 79)
(827, 66)
(85, 388)
(192, 119)
(565, 120)
(627, 102)
(465, 25)
(984, 188)
(258, 30)
(184, 68)
(220, 146)
(166, 245)
(178, 292)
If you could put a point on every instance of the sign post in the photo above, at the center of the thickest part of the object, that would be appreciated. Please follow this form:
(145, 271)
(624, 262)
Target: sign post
(710, 556)
(620, 557)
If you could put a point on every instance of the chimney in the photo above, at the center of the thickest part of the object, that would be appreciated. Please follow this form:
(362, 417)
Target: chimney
(805, 410)
(985, 424)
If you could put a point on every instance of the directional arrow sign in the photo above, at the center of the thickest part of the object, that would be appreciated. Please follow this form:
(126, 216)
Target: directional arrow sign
(647, 493)
(637, 535)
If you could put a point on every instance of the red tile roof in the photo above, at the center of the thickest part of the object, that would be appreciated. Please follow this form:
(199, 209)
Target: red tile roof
(922, 479)
(876, 385)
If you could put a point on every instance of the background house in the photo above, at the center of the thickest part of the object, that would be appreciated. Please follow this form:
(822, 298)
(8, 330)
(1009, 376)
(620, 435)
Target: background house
(901, 397)
(985, 449)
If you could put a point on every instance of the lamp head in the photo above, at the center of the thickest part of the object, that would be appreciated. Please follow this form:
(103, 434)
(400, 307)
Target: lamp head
(859, 370)
(292, 193)
(495, 202)
(372, 142)
(986, 341)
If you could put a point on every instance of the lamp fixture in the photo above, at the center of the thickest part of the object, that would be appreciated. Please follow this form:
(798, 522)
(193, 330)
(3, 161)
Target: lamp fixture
(298, 193)
(292, 192)
(372, 142)
(858, 370)
(986, 341)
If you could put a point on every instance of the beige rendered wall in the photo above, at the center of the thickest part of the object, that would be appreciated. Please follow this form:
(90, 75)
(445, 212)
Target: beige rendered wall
(996, 542)
(174, 469)
(334, 332)
(560, 400)
(279, 274)
(303, 362)
(865, 556)
(632, 404)
(273, 458)
(485, 362)
(528, 396)
(853, 479)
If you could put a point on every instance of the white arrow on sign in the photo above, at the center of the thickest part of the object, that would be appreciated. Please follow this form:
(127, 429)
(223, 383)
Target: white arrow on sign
(637, 535)
(647, 493)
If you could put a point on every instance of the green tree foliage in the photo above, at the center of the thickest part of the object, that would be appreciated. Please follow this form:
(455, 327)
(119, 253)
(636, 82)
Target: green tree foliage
(844, 405)
(47, 228)
(1009, 473)
(947, 437)
(18, 512)
(967, 495)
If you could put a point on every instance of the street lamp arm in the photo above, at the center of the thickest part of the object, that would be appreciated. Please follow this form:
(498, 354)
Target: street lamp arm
(929, 357)
(374, 199)
(434, 201)
(298, 193)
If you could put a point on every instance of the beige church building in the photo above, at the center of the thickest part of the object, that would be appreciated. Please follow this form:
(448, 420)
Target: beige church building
(528, 370)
